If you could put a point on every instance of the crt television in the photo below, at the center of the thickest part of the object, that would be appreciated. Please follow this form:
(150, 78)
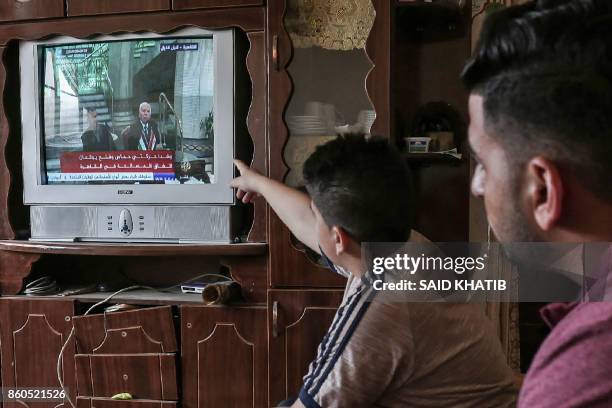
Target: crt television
(129, 137)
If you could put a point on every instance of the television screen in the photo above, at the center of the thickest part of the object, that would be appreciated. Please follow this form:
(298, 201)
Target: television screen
(136, 111)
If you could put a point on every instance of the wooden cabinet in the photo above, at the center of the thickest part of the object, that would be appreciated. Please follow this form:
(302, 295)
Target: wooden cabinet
(91, 7)
(223, 354)
(12, 10)
(317, 82)
(298, 321)
(32, 333)
(194, 4)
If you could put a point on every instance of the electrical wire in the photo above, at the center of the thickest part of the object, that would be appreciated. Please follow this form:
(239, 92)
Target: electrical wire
(63, 349)
(59, 358)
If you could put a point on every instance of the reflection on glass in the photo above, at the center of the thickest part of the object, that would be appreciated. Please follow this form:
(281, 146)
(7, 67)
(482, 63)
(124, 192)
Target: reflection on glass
(328, 69)
(130, 111)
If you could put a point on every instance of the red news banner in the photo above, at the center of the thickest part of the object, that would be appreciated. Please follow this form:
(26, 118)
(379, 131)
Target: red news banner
(117, 165)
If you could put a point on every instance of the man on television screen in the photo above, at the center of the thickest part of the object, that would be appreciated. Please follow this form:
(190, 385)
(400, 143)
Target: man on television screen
(142, 134)
(97, 137)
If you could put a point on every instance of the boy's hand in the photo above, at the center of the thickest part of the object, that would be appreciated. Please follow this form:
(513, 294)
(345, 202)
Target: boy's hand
(247, 184)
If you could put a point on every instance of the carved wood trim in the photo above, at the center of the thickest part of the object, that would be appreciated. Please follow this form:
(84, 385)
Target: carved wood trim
(28, 330)
(14, 267)
(226, 325)
(27, 322)
(256, 123)
(112, 335)
(305, 312)
(6, 231)
(245, 18)
(378, 81)
(250, 345)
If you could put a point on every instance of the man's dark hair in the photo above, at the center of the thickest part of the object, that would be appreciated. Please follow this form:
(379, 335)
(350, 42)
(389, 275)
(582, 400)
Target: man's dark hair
(362, 185)
(544, 70)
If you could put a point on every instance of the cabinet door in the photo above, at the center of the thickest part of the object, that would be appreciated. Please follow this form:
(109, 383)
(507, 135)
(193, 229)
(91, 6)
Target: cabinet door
(11, 10)
(321, 58)
(91, 7)
(223, 353)
(298, 321)
(32, 333)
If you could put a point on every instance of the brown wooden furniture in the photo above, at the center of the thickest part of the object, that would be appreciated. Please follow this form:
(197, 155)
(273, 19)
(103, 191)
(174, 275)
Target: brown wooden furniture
(249, 355)
(223, 354)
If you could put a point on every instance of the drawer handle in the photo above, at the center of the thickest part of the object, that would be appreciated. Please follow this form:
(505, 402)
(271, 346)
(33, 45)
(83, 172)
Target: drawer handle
(22, 1)
(275, 319)
(275, 52)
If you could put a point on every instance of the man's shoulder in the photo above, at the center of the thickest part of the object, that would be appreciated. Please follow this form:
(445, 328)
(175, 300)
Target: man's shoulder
(574, 359)
(585, 323)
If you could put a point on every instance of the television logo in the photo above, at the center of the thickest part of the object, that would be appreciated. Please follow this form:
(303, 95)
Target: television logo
(125, 192)
(178, 47)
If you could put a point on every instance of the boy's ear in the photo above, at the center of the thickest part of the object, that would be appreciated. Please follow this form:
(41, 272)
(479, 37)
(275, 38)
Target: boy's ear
(342, 239)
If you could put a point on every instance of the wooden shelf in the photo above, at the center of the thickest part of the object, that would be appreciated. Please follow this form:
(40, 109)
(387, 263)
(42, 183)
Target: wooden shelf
(128, 249)
(140, 297)
(430, 157)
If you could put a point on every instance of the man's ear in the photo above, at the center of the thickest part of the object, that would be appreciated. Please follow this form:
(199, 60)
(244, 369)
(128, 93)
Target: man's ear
(341, 239)
(544, 192)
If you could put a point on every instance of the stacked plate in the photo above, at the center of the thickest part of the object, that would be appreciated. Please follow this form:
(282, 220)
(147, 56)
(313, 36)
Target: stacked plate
(366, 119)
(306, 125)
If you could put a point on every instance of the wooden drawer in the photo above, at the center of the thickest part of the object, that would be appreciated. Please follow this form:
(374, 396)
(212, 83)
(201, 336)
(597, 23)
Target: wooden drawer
(149, 330)
(86, 402)
(92, 7)
(195, 4)
(11, 10)
(145, 376)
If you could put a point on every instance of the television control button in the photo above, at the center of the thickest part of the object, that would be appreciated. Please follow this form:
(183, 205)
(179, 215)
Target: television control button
(126, 226)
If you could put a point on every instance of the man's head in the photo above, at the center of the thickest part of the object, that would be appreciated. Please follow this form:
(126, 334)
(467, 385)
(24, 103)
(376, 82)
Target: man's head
(144, 112)
(361, 191)
(540, 85)
(92, 118)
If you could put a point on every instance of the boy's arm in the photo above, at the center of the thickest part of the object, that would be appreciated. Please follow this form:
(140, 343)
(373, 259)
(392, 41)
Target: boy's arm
(291, 206)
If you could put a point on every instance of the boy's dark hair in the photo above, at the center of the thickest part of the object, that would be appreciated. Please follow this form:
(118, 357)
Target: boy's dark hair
(544, 70)
(362, 185)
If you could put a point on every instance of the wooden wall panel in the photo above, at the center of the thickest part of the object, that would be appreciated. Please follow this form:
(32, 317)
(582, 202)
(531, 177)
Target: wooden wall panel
(12, 10)
(246, 18)
(92, 7)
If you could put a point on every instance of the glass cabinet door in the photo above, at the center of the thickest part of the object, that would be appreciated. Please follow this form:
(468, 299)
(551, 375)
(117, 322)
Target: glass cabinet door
(328, 71)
